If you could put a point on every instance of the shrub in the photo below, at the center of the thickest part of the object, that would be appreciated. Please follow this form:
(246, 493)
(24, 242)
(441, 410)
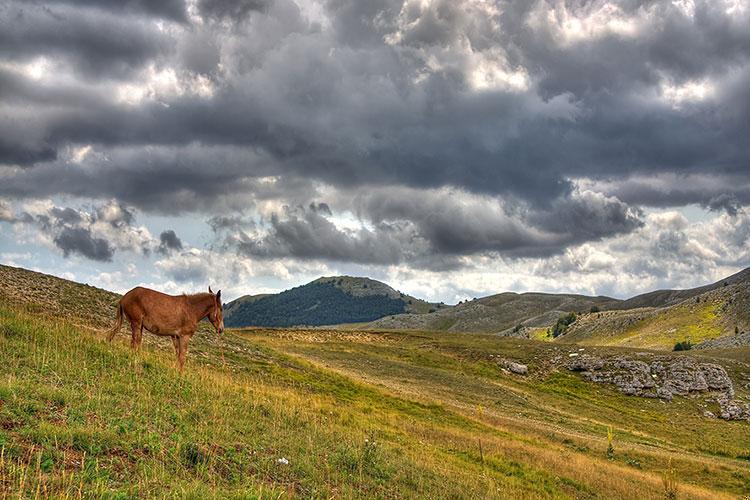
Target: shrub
(594, 309)
(685, 345)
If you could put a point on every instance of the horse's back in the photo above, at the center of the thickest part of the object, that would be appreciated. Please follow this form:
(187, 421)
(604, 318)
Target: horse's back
(148, 298)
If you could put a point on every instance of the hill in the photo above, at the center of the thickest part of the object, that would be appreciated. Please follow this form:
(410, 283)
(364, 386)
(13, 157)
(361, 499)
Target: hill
(707, 313)
(325, 301)
(324, 413)
(656, 320)
(506, 313)
(662, 298)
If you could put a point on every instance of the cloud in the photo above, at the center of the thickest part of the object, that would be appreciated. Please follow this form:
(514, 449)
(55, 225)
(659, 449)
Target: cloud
(726, 202)
(396, 132)
(79, 240)
(95, 233)
(6, 213)
(168, 9)
(169, 242)
(96, 43)
(231, 9)
(425, 228)
(295, 100)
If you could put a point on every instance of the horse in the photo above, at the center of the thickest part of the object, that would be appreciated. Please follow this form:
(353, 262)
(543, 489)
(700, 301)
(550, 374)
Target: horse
(174, 316)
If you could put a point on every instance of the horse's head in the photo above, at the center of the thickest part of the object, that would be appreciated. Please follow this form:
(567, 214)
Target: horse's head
(216, 316)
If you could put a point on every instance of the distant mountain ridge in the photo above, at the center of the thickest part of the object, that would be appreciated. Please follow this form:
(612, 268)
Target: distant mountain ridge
(363, 303)
(506, 313)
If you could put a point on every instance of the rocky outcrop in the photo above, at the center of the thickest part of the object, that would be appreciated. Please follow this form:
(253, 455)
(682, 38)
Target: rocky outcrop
(663, 377)
(739, 340)
(512, 366)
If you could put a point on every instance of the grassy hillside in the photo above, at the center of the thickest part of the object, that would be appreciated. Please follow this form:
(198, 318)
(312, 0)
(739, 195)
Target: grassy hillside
(313, 413)
(325, 301)
(720, 311)
(505, 313)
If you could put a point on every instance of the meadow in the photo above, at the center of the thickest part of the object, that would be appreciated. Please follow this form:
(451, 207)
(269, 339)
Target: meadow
(292, 413)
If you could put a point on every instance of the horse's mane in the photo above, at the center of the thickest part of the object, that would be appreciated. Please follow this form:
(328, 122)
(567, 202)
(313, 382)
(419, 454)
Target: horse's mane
(200, 295)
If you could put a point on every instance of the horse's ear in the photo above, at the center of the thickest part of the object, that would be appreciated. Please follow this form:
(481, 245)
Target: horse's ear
(209, 289)
(218, 296)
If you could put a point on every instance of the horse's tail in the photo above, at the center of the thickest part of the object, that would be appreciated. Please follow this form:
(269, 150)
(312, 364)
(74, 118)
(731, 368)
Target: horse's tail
(118, 322)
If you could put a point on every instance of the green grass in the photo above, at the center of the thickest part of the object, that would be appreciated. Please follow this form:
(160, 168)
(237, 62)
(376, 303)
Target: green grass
(355, 414)
(81, 416)
(689, 321)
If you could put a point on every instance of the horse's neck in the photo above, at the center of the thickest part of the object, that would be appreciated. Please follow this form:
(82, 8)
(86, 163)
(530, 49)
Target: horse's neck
(201, 305)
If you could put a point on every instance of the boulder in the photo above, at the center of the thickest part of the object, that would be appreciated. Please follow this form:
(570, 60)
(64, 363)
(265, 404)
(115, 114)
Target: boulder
(513, 367)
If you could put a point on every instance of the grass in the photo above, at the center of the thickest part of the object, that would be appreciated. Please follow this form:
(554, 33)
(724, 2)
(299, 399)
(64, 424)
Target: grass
(276, 413)
(554, 409)
(83, 417)
(689, 321)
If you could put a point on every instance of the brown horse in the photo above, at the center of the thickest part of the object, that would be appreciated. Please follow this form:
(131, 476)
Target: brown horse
(174, 316)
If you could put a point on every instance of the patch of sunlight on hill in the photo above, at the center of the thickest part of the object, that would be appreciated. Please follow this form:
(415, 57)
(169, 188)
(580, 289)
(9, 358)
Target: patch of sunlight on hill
(688, 321)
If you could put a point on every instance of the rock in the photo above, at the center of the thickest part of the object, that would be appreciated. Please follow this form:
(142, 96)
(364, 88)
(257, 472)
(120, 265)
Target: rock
(513, 367)
(709, 414)
(664, 377)
(585, 363)
(734, 410)
(728, 341)
(717, 378)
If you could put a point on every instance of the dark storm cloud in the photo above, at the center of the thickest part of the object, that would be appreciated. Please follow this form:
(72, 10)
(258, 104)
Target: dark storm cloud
(97, 43)
(231, 9)
(385, 93)
(431, 229)
(724, 202)
(78, 240)
(674, 191)
(169, 242)
(167, 9)
(307, 234)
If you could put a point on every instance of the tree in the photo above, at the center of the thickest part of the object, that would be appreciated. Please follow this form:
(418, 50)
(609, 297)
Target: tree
(563, 322)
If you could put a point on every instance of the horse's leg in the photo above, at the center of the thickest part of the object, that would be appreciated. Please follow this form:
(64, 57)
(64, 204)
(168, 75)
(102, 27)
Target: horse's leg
(135, 327)
(139, 338)
(176, 344)
(183, 343)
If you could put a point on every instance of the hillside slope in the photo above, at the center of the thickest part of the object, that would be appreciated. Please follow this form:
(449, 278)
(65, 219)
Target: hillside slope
(325, 301)
(502, 313)
(717, 312)
(662, 298)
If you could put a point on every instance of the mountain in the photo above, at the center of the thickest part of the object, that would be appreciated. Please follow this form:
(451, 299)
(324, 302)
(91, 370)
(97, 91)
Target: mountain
(326, 301)
(505, 313)
(656, 320)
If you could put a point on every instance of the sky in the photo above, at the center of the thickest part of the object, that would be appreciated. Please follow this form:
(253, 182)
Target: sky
(452, 149)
